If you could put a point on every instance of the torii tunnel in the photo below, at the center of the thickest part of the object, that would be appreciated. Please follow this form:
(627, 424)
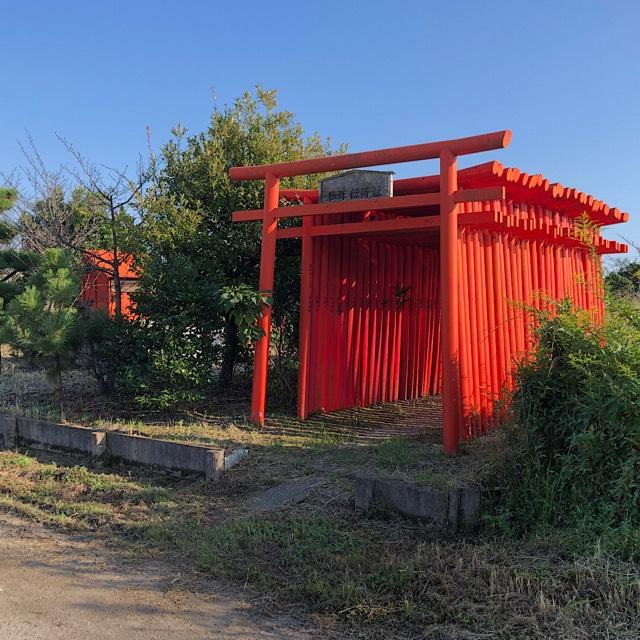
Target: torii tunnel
(425, 292)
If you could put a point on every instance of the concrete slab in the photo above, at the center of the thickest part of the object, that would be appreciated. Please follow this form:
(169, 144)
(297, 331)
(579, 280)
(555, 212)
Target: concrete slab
(452, 510)
(164, 453)
(282, 495)
(58, 436)
(129, 448)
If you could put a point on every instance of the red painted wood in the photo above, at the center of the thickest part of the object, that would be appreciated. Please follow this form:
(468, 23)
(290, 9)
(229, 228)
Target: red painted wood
(427, 292)
(267, 266)
(411, 153)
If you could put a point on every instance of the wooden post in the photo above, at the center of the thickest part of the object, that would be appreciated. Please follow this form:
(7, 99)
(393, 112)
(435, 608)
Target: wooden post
(306, 278)
(449, 302)
(267, 266)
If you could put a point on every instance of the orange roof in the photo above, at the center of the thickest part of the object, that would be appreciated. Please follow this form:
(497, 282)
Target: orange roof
(520, 187)
(104, 258)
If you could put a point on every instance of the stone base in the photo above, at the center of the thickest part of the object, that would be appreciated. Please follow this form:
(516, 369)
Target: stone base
(451, 510)
(8, 431)
(211, 463)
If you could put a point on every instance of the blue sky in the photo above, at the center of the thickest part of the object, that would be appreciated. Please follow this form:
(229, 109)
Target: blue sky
(563, 75)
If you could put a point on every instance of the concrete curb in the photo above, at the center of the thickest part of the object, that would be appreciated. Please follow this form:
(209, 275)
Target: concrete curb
(166, 453)
(60, 436)
(211, 463)
(8, 430)
(452, 510)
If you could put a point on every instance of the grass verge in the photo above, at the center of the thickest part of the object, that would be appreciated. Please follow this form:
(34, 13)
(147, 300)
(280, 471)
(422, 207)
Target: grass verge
(361, 576)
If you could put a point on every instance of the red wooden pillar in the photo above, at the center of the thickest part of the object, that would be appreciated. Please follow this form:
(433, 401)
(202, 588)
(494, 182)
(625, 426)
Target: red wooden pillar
(451, 405)
(306, 278)
(267, 265)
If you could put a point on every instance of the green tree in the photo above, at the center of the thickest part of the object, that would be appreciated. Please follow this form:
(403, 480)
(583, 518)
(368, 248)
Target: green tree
(624, 280)
(42, 320)
(15, 263)
(191, 241)
(83, 209)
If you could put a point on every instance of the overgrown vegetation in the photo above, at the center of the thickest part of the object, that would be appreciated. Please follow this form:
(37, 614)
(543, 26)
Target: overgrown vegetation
(575, 471)
(198, 297)
(197, 302)
(363, 577)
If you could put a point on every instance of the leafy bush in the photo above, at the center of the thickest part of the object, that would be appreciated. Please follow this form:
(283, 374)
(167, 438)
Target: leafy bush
(42, 320)
(576, 408)
(242, 304)
(166, 362)
(157, 366)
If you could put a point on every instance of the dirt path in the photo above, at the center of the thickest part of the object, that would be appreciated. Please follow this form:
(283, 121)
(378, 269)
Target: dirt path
(57, 587)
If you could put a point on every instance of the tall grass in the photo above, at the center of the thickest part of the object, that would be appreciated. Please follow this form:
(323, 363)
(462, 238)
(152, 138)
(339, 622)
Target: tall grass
(577, 428)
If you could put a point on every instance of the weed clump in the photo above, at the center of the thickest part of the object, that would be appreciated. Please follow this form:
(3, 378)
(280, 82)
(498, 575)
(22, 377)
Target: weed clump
(576, 409)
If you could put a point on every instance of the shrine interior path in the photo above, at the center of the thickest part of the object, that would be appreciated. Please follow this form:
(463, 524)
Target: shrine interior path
(59, 587)
(418, 418)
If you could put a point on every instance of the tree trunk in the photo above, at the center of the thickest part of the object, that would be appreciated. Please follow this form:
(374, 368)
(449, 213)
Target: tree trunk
(117, 290)
(58, 377)
(230, 352)
(117, 284)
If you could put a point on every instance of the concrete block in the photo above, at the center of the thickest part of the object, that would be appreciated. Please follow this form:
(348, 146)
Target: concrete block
(234, 457)
(99, 444)
(453, 510)
(414, 500)
(8, 431)
(162, 453)
(364, 493)
(166, 453)
(215, 464)
(407, 498)
(57, 436)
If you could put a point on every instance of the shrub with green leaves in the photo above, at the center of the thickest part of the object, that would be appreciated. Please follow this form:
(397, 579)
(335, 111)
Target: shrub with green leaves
(576, 408)
(166, 361)
(157, 366)
(42, 321)
(242, 304)
(624, 280)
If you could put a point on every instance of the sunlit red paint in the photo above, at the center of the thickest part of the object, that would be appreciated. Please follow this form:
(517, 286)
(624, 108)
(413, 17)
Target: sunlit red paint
(424, 293)
(97, 290)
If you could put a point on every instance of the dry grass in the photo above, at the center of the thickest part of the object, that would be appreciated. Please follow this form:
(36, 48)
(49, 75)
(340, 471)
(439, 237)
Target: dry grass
(361, 576)
(371, 440)
(27, 390)
(416, 459)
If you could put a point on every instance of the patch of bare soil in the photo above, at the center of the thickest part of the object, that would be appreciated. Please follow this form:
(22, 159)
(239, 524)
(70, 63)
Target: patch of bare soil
(61, 587)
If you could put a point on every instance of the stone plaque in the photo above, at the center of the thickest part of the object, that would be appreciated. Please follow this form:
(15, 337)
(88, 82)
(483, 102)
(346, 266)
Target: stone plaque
(357, 185)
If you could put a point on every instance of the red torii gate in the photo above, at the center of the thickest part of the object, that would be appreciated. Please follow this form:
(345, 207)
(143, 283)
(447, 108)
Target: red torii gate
(423, 195)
